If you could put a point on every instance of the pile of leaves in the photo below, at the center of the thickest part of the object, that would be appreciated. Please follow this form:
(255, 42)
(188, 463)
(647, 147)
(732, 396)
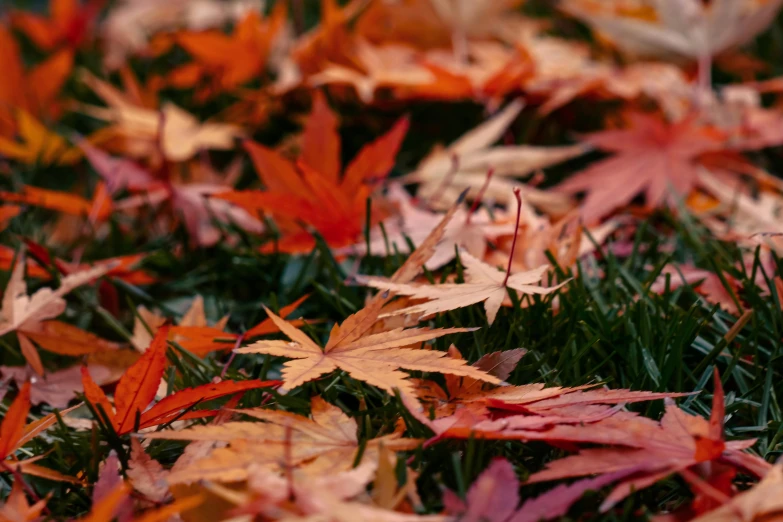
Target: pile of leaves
(411, 260)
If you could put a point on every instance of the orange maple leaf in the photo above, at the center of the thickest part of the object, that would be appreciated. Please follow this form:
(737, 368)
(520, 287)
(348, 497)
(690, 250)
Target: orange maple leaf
(15, 433)
(66, 202)
(35, 143)
(31, 92)
(195, 335)
(312, 190)
(228, 60)
(139, 384)
(68, 24)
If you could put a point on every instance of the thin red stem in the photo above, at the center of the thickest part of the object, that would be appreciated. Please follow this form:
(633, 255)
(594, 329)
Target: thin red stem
(516, 235)
(233, 354)
(446, 179)
(15, 471)
(482, 190)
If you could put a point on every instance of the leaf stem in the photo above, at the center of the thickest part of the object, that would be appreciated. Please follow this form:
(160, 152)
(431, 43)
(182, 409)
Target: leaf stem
(516, 235)
(477, 201)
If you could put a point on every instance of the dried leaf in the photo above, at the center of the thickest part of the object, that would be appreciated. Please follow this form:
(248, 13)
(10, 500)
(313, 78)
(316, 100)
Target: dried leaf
(482, 283)
(374, 359)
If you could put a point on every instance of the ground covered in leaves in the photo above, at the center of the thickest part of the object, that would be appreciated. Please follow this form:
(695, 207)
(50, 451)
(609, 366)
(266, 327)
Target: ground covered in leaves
(419, 260)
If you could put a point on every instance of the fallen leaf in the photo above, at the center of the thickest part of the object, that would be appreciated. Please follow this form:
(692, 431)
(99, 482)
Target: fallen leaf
(68, 24)
(679, 444)
(652, 157)
(762, 501)
(470, 231)
(667, 28)
(326, 443)
(146, 475)
(170, 132)
(304, 193)
(28, 315)
(447, 172)
(482, 283)
(223, 61)
(16, 508)
(56, 388)
(375, 359)
(139, 384)
(33, 91)
(492, 497)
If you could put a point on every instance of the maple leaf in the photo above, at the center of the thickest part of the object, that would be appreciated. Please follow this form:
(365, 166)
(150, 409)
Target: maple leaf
(386, 67)
(15, 433)
(16, 508)
(466, 229)
(68, 23)
(33, 91)
(492, 497)
(486, 402)
(57, 388)
(146, 132)
(464, 391)
(539, 238)
(312, 190)
(189, 196)
(97, 210)
(331, 41)
(325, 443)
(191, 331)
(446, 172)
(231, 60)
(375, 359)
(482, 283)
(129, 24)
(139, 384)
(677, 28)
(651, 156)
(761, 502)
(29, 316)
(706, 283)
(336, 497)
(194, 334)
(36, 144)
(146, 475)
(742, 217)
(679, 444)
(484, 70)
